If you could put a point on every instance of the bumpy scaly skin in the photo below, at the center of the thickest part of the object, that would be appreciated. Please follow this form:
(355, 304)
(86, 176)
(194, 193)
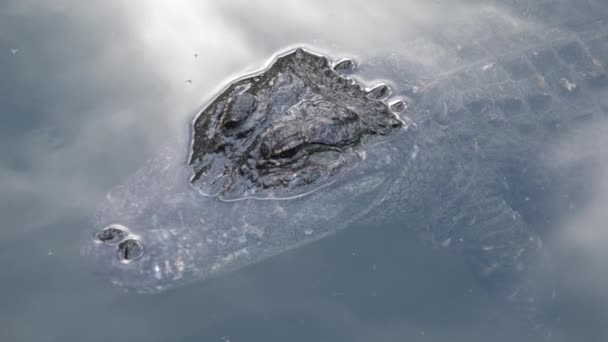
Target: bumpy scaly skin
(286, 131)
(481, 184)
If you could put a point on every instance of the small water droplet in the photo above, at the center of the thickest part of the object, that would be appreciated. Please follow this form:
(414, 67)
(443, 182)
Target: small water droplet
(488, 66)
(567, 85)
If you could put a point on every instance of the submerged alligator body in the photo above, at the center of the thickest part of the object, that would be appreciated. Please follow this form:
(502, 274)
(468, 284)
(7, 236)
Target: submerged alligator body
(302, 149)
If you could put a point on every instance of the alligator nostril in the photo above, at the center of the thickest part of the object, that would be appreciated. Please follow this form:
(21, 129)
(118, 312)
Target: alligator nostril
(112, 234)
(130, 250)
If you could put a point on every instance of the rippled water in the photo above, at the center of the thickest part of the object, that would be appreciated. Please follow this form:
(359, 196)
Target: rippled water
(90, 91)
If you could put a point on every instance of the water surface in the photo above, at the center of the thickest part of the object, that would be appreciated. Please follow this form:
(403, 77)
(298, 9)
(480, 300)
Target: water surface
(90, 91)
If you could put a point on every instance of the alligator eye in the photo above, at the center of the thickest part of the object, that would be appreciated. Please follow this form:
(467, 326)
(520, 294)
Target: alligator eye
(288, 148)
(238, 109)
(130, 250)
(285, 150)
(112, 234)
(289, 153)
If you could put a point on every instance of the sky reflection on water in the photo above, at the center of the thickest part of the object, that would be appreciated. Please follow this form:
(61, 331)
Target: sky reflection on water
(90, 91)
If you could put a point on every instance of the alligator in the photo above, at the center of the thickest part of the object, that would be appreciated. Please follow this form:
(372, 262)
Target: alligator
(303, 148)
